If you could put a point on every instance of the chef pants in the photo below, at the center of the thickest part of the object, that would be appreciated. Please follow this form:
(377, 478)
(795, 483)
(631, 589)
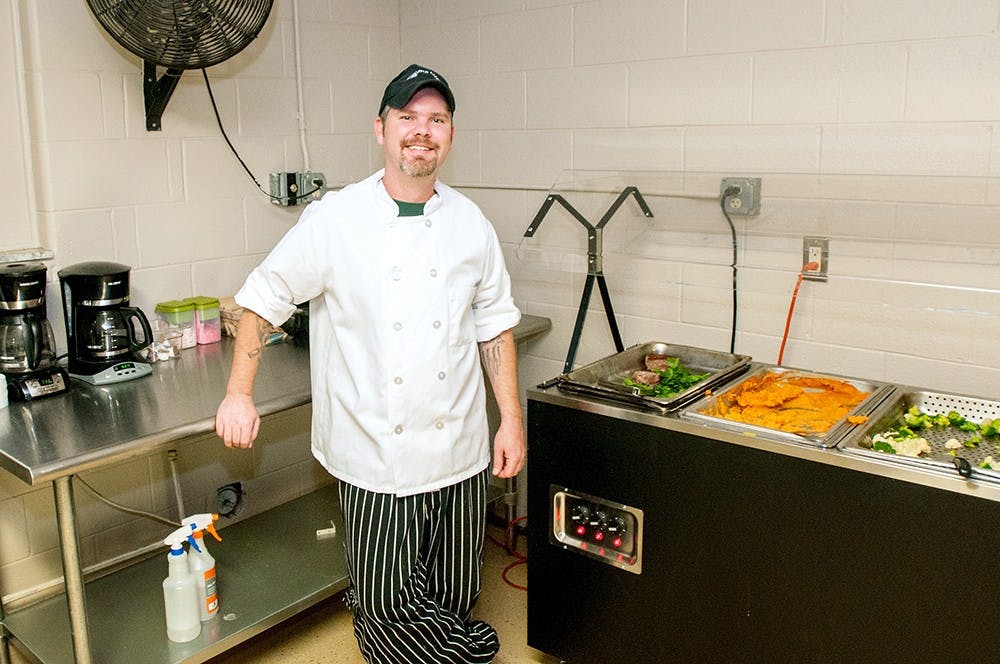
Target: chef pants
(414, 566)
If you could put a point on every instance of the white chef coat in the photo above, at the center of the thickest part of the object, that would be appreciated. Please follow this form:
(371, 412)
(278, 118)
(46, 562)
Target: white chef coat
(396, 308)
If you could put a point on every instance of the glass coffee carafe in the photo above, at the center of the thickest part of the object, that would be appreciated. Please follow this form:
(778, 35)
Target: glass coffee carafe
(110, 334)
(26, 343)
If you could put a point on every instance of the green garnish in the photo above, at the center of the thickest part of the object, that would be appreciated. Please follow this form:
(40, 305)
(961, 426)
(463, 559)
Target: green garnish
(674, 379)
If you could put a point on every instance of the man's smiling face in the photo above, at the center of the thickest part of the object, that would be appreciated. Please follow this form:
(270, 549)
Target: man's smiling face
(416, 138)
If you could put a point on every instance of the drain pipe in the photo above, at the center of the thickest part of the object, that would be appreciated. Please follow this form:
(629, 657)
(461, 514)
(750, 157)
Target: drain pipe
(298, 86)
(172, 456)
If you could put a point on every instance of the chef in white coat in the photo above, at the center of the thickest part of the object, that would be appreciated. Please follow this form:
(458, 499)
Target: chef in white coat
(410, 302)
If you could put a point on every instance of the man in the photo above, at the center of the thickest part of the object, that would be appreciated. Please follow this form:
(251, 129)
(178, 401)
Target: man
(406, 281)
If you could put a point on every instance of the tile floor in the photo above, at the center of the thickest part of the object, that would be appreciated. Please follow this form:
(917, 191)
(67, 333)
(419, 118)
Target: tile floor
(324, 632)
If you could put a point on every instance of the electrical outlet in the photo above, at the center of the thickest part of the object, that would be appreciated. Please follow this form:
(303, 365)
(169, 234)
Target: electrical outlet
(296, 188)
(815, 258)
(741, 196)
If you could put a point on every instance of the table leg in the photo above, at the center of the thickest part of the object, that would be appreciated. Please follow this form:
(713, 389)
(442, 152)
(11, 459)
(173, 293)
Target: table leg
(72, 571)
(4, 647)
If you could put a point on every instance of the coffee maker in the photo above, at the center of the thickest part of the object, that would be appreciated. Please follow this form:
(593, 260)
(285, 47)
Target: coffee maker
(27, 345)
(100, 326)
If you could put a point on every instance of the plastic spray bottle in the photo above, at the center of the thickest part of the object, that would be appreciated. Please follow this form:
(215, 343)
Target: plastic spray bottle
(180, 593)
(203, 564)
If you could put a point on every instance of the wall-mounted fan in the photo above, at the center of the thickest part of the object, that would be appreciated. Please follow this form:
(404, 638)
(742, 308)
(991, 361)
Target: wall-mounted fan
(179, 35)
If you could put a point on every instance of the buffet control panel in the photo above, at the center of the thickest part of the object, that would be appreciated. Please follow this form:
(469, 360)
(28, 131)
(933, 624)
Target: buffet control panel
(597, 527)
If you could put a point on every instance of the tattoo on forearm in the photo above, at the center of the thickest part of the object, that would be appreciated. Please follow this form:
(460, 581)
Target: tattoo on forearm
(262, 328)
(490, 352)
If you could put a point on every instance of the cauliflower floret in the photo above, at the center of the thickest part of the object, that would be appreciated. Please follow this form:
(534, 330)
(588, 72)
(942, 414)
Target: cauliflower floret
(911, 447)
(952, 444)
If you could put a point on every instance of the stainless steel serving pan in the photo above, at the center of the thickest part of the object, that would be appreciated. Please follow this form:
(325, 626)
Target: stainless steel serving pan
(605, 378)
(966, 460)
(877, 390)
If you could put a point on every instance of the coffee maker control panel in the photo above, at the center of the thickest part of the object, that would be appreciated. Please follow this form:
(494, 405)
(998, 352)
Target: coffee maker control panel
(117, 373)
(35, 386)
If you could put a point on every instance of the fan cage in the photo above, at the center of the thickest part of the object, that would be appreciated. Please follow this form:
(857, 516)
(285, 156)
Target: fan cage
(182, 34)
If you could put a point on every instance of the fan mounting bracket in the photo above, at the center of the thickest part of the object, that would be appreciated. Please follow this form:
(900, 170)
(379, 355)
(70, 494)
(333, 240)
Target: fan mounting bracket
(156, 92)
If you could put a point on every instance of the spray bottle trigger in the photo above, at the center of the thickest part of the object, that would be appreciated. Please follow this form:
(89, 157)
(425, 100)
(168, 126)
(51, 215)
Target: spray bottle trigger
(203, 522)
(211, 528)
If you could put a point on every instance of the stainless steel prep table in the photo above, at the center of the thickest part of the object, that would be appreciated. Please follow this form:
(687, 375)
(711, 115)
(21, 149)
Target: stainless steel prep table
(93, 426)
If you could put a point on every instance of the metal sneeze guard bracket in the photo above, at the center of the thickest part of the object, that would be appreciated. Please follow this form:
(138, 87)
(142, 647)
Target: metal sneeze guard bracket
(595, 268)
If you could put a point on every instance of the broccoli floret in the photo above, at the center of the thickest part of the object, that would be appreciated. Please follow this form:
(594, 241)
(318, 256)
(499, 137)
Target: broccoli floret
(955, 417)
(990, 427)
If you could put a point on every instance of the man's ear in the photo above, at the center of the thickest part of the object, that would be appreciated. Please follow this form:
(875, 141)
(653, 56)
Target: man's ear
(379, 135)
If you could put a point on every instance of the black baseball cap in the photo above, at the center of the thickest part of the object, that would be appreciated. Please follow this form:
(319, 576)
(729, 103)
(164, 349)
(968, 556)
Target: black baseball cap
(415, 77)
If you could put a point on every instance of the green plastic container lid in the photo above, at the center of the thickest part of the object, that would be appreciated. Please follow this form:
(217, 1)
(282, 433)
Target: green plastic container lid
(174, 307)
(201, 302)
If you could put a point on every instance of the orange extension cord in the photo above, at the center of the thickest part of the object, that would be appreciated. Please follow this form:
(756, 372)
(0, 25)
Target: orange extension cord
(791, 308)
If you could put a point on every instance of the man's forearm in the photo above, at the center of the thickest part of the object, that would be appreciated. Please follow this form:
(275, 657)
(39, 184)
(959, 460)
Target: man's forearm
(250, 335)
(499, 359)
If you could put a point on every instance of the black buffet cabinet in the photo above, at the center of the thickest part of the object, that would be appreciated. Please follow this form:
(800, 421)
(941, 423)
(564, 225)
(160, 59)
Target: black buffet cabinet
(740, 554)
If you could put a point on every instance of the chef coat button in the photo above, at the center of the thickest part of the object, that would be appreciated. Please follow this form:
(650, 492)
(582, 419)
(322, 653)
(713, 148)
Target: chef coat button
(397, 326)
(434, 272)
(437, 324)
(439, 425)
(441, 375)
(397, 380)
(427, 223)
(399, 428)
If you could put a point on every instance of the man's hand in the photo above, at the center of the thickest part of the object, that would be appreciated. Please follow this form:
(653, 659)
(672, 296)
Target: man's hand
(509, 450)
(237, 420)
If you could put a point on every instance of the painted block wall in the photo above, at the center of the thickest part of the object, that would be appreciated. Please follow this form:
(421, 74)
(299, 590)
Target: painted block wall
(897, 107)
(894, 107)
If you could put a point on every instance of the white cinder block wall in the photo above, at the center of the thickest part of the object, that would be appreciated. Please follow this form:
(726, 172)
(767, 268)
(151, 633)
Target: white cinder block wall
(895, 108)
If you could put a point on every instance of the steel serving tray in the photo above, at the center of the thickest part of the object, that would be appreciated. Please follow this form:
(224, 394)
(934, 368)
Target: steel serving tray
(605, 378)
(889, 416)
(877, 390)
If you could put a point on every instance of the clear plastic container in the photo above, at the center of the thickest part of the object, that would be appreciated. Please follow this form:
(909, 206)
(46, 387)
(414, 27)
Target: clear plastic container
(207, 324)
(178, 315)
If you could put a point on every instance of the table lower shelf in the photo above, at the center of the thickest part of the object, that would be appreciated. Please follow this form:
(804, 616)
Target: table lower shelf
(270, 567)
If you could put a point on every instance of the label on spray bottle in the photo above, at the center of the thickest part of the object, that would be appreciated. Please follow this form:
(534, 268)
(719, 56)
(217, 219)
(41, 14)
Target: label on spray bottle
(211, 596)
(203, 566)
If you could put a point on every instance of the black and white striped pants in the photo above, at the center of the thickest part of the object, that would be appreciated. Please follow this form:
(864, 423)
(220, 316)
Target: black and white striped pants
(414, 565)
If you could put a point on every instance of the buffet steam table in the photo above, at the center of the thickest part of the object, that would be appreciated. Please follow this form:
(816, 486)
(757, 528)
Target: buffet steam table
(741, 549)
(119, 617)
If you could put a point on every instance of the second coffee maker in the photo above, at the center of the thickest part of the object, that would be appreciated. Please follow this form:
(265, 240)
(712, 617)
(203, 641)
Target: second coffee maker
(100, 325)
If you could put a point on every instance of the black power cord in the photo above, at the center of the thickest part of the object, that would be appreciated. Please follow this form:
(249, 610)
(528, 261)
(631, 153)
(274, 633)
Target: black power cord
(218, 120)
(731, 191)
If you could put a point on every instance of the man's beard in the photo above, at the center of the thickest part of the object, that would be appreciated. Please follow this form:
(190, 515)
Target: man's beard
(418, 168)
